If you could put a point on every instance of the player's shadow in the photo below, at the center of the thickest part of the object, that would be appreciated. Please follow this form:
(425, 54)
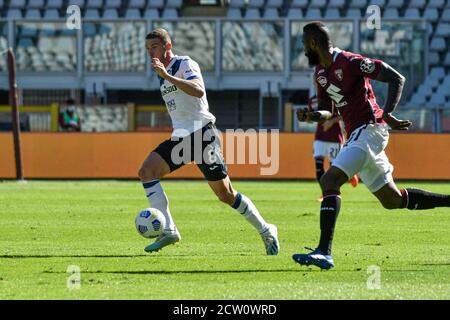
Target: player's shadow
(162, 272)
(19, 256)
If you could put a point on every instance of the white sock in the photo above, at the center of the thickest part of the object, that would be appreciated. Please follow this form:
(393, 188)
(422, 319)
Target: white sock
(245, 206)
(158, 199)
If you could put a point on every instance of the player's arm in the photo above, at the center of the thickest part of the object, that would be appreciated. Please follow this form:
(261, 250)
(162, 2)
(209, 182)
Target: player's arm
(320, 115)
(395, 83)
(193, 87)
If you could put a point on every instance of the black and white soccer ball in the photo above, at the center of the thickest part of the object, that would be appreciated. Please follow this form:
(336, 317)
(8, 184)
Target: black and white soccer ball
(150, 223)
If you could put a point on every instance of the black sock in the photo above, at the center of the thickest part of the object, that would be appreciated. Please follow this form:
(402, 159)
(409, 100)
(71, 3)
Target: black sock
(329, 212)
(421, 200)
(319, 169)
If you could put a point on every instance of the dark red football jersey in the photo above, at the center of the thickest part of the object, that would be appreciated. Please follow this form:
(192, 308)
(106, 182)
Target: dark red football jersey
(334, 134)
(347, 83)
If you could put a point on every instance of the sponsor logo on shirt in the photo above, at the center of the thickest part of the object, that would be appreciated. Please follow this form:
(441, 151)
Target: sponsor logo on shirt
(322, 81)
(171, 106)
(167, 90)
(339, 74)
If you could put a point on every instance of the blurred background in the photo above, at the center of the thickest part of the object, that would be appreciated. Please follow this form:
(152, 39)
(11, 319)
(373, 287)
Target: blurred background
(250, 52)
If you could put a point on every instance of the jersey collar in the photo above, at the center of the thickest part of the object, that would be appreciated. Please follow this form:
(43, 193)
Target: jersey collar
(174, 58)
(336, 52)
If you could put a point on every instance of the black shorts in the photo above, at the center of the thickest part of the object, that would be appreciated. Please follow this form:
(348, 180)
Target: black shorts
(202, 146)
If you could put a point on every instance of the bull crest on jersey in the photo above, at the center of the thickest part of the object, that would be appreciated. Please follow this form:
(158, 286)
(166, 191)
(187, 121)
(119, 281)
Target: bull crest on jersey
(339, 74)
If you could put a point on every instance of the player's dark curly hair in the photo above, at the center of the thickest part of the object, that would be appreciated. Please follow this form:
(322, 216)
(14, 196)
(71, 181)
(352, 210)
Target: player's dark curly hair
(161, 34)
(319, 32)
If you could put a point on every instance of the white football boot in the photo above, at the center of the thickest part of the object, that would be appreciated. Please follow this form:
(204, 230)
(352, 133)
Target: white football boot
(270, 239)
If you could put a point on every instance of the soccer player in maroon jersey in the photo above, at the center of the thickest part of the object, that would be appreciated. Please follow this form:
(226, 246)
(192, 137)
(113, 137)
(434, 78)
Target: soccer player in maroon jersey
(328, 141)
(344, 77)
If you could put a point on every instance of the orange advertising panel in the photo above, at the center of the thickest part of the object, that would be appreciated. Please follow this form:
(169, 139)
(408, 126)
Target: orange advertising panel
(119, 155)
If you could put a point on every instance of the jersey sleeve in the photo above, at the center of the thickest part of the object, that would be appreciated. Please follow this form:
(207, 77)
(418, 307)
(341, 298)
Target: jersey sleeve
(190, 70)
(365, 67)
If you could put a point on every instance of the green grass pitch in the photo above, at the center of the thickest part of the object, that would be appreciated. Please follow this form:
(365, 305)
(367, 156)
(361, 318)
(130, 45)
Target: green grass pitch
(47, 226)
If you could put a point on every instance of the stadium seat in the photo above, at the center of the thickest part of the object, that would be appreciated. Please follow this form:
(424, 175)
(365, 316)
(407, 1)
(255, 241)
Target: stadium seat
(437, 100)
(445, 17)
(313, 14)
(18, 4)
(35, 4)
(170, 13)
(94, 4)
(237, 3)
(252, 13)
(353, 13)
(358, 4)
(437, 73)
(255, 4)
(25, 43)
(438, 4)
(299, 3)
(332, 13)
(438, 44)
(54, 4)
(417, 99)
(151, 14)
(89, 29)
(419, 4)
(433, 58)
(136, 4)
(380, 3)
(174, 4)
(92, 14)
(14, 13)
(431, 14)
(447, 61)
(336, 4)
(318, 4)
(425, 89)
(33, 14)
(110, 14)
(113, 4)
(390, 13)
(271, 13)
(132, 13)
(80, 3)
(395, 4)
(51, 14)
(28, 31)
(295, 13)
(443, 30)
(234, 13)
(274, 4)
(412, 13)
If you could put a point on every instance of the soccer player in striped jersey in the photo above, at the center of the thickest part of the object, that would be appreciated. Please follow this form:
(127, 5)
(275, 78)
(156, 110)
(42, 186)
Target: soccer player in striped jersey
(183, 91)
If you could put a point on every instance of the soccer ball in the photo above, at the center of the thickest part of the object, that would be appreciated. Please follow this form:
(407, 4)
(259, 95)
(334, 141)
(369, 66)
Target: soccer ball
(150, 223)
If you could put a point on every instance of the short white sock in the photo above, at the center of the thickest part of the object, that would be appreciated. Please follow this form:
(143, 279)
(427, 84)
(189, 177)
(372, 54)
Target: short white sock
(158, 199)
(245, 206)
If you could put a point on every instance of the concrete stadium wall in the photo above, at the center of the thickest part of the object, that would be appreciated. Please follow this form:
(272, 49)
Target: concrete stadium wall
(119, 155)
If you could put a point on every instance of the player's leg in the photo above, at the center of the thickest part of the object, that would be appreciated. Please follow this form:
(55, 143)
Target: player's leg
(348, 162)
(155, 166)
(319, 154)
(215, 171)
(242, 204)
(411, 198)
